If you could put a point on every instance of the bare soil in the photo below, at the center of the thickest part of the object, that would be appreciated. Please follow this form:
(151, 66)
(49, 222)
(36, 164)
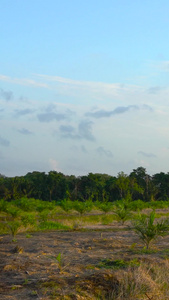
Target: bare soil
(29, 268)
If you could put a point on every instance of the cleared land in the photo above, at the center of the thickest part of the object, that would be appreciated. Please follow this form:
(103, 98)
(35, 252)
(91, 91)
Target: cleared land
(104, 262)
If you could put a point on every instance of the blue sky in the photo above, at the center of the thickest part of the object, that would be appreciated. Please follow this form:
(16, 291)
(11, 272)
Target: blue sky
(84, 86)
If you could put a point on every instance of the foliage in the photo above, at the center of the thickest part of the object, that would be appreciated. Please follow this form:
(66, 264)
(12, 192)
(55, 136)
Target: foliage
(122, 212)
(13, 226)
(148, 230)
(26, 204)
(28, 219)
(66, 205)
(44, 215)
(82, 207)
(55, 186)
(138, 205)
(3, 205)
(13, 211)
(104, 206)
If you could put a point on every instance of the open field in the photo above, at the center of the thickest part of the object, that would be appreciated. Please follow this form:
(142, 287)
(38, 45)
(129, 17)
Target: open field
(95, 262)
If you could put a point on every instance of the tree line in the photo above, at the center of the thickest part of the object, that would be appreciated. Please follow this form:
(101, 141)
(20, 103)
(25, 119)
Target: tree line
(96, 187)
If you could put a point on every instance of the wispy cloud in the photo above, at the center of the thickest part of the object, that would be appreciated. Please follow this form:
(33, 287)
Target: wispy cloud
(83, 148)
(25, 131)
(154, 89)
(52, 113)
(163, 65)
(77, 88)
(4, 142)
(103, 152)
(95, 89)
(6, 95)
(51, 116)
(118, 110)
(23, 112)
(84, 131)
(148, 155)
(23, 81)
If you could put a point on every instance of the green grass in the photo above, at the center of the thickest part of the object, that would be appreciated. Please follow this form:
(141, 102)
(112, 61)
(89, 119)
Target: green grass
(50, 225)
(118, 264)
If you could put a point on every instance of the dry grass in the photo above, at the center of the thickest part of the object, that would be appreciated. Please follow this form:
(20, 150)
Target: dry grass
(147, 282)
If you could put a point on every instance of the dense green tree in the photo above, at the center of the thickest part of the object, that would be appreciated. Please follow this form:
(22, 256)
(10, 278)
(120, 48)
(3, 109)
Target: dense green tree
(144, 181)
(161, 183)
(127, 186)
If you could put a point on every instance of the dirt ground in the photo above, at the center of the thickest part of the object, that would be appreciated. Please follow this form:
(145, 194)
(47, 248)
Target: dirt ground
(29, 268)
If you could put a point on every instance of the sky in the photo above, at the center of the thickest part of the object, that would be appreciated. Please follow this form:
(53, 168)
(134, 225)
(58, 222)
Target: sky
(84, 86)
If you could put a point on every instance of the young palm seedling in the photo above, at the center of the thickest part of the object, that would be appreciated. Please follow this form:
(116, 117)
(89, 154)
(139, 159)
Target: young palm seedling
(13, 226)
(122, 213)
(105, 206)
(82, 207)
(148, 230)
(60, 261)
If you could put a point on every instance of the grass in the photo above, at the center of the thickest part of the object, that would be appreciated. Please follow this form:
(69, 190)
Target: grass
(50, 225)
(128, 280)
(118, 264)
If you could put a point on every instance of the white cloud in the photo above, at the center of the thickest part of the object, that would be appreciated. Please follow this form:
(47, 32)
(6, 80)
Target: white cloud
(23, 81)
(95, 89)
(54, 165)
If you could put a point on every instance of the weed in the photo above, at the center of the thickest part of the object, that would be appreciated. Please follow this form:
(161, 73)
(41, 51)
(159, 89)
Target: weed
(26, 281)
